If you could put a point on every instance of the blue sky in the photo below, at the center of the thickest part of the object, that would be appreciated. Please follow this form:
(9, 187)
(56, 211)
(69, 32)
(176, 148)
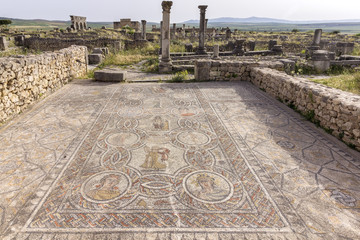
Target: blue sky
(182, 10)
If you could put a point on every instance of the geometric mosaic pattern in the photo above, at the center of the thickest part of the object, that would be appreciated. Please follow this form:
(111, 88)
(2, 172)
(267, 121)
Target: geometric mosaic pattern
(153, 160)
(190, 159)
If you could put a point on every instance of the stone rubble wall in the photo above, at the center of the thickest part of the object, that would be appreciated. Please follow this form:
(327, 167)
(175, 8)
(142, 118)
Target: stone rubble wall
(230, 70)
(333, 109)
(25, 79)
(336, 111)
(54, 44)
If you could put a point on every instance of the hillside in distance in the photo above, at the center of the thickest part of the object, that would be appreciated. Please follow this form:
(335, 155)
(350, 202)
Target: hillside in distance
(242, 24)
(272, 20)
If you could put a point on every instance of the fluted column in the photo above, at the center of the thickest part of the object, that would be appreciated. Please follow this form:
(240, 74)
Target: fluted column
(165, 64)
(201, 49)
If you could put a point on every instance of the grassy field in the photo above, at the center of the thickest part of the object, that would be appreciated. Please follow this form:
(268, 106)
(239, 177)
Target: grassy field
(349, 82)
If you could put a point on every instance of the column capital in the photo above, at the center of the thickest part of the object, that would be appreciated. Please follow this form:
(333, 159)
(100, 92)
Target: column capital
(203, 8)
(166, 5)
(143, 21)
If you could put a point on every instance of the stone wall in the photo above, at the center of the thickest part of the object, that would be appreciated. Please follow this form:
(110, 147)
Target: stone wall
(230, 70)
(24, 79)
(53, 44)
(333, 109)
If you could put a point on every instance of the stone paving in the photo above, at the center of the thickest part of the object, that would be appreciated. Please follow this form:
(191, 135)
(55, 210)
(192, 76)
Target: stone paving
(173, 161)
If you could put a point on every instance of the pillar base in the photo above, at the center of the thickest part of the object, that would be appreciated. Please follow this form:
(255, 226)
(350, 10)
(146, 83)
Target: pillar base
(165, 67)
(201, 52)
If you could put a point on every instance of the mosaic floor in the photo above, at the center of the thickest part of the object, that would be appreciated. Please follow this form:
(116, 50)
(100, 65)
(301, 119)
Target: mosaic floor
(173, 161)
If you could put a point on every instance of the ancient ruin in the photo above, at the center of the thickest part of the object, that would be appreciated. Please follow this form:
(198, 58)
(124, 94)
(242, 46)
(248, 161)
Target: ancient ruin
(127, 22)
(222, 134)
(165, 64)
(78, 23)
(201, 49)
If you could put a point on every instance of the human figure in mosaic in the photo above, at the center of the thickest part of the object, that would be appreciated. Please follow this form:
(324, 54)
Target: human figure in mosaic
(152, 160)
(160, 124)
(106, 189)
(209, 190)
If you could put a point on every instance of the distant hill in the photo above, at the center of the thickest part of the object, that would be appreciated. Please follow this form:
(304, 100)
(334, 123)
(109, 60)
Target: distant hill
(243, 24)
(50, 24)
(270, 20)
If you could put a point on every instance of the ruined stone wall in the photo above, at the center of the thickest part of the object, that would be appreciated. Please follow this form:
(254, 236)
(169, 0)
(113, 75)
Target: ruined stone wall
(53, 44)
(230, 70)
(333, 109)
(24, 79)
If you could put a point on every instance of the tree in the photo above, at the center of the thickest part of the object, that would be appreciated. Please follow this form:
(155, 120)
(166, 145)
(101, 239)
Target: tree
(5, 22)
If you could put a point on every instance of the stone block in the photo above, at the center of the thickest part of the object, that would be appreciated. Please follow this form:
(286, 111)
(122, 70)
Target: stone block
(19, 40)
(202, 70)
(95, 58)
(110, 75)
(3, 44)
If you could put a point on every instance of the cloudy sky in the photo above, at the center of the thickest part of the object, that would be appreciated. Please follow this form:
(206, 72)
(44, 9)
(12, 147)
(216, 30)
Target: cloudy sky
(182, 10)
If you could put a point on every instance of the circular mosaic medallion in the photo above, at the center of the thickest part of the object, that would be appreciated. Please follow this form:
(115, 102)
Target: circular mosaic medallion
(105, 187)
(122, 139)
(199, 158)
(214, 189)
(187, 138)
(106, 190)
(208, 187)
(127, 138)
(193, 138)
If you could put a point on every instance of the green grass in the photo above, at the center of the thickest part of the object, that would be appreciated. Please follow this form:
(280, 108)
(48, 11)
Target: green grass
(130, 57)
(18, 51)
(349, 82)
(151, 65)
(180, 76)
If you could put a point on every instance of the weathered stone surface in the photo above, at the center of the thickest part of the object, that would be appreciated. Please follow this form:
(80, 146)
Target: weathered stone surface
(309, 97)
(108, 75)
(23, 80)
(154, 161)
(3, 44)
(165, 64)
(95, 58)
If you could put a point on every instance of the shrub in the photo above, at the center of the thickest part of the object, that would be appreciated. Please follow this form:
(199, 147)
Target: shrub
(5, 22)
(180, 76)
(295, 30)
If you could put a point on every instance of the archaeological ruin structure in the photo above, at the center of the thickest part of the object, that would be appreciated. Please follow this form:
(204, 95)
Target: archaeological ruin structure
(201, 49)
(127, 22)
(78, 23)
(165, 64)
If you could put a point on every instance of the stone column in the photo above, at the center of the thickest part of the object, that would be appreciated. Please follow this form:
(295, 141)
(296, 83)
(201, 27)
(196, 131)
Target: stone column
(143, 32)
(216, 52)
(3, 44)
(201, 49)
(317, 37)
(228, 33)
(161, 34)
(174, 30)
(272, 43)
(165, 64)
